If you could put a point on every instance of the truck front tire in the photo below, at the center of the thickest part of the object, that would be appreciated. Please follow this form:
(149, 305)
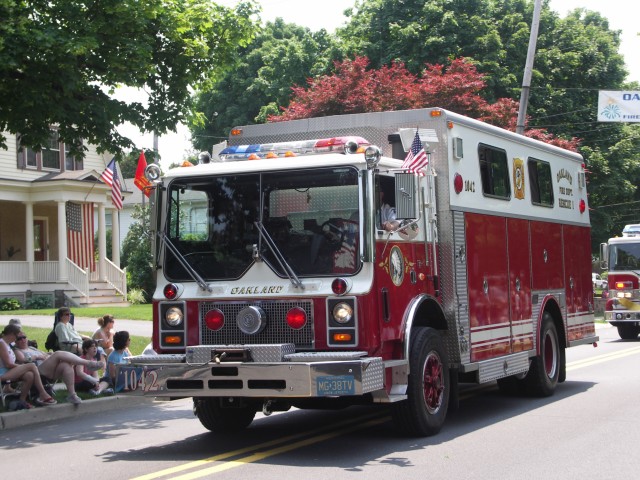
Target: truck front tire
(628, 332)
(424, 411)
(216, 418)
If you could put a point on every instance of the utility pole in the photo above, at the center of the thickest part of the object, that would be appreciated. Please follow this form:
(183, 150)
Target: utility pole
(528, 68)
(155, 147)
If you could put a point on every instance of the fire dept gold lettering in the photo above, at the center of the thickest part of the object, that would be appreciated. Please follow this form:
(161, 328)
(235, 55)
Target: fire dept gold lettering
(564, 174)
(256, 290)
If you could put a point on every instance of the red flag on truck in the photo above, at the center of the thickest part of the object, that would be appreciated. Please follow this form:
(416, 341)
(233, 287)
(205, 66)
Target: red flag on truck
(140, 180)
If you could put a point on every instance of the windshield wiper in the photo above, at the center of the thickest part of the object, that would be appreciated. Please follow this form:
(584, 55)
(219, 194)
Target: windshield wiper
(293, 278)
(176, 253)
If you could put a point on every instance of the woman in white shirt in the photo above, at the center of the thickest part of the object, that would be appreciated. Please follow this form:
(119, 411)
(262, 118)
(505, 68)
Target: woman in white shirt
(28, 373)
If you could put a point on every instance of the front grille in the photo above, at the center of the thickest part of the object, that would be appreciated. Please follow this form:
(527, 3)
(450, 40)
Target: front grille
(276, 330)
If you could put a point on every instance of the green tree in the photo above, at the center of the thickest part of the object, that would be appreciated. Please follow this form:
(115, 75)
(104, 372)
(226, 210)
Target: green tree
(282, 55)
(137, 254)
(60, 59)
(615, 171)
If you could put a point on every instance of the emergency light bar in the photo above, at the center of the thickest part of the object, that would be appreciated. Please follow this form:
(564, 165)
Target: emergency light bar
(346, 145)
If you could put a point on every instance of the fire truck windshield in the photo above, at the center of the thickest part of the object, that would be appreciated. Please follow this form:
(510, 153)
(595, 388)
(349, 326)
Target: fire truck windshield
(311, 215)
(624, 256)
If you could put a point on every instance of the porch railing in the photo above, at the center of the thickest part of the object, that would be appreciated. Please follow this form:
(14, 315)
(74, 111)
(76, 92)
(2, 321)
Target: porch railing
(45, 271)
(78, 278)
(116, 278)
(14, 272)
(48, 272)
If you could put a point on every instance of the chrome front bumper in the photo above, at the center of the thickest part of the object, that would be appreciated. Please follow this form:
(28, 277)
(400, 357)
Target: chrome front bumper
(299, 375)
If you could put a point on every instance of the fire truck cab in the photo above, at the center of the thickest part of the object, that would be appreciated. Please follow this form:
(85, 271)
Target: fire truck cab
(621, 255)
(279, 284)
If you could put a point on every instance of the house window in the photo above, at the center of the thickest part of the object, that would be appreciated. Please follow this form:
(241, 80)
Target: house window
(51, 152)
(71, 162)
(55, 155)
(30, 156)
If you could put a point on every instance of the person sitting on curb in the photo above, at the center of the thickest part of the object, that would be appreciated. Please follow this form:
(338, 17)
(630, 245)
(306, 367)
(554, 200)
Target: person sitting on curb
(68, 338)
(56, 365)
(28, 374)
(87, 380)
(119, 355)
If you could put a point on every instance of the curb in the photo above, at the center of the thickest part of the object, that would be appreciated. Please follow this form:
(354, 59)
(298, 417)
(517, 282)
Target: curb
(40, 415)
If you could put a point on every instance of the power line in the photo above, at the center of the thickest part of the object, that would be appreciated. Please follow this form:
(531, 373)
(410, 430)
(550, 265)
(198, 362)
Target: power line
(616, 204)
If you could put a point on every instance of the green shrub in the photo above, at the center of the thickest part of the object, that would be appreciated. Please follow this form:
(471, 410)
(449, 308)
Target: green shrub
(9, 304)
(39, 302)
(136, 296)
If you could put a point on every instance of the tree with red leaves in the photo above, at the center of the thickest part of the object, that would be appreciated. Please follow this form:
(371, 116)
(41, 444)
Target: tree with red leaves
(355, 89)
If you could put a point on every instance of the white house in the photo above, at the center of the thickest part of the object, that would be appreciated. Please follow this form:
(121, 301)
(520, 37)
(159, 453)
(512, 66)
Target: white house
(52, 206)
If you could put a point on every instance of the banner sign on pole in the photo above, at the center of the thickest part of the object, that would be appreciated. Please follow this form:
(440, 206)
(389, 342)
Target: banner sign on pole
(618, 106)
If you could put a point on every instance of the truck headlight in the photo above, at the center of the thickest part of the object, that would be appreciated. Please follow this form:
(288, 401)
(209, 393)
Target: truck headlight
(342, 313)
(174, 317)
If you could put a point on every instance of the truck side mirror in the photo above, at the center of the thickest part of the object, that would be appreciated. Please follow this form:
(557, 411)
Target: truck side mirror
(604, 256)
(406, 196)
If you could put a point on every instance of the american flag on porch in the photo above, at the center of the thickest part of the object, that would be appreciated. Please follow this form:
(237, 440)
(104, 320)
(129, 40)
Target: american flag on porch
(80, 234)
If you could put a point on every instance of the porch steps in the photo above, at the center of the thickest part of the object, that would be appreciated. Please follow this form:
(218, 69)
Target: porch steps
(101, 294)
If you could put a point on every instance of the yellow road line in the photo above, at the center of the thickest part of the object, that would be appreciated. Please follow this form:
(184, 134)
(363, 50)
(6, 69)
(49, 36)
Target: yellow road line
(276, 451)
(241, 451)
(602, 358)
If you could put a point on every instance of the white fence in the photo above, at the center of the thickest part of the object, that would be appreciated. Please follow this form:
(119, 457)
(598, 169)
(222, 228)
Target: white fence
(49, 272)
(116, 278)
(14, 272)
(78, 278)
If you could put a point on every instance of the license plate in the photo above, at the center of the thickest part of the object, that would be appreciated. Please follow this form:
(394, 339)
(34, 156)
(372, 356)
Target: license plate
(336, 385)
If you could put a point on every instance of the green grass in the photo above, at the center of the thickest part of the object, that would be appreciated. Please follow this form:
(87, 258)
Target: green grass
(134, 312)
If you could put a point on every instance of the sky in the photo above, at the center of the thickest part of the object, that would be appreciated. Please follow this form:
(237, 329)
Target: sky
(623, 15)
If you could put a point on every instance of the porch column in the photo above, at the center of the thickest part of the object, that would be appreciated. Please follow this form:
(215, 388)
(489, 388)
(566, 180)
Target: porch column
(115, 237)
(63, 275)
(102, 244)
(29, 242)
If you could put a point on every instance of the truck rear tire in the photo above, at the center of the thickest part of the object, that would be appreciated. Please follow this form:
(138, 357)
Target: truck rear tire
(216, 418)
(542, 379)
(424, 411)
(628, 332)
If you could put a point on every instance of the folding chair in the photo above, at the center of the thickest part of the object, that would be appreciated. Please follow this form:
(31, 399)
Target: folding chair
(6, 395)
(54, 345)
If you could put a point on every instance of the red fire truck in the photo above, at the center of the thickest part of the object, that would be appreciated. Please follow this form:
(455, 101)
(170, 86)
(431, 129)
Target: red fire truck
(621, 255)
(279, 287)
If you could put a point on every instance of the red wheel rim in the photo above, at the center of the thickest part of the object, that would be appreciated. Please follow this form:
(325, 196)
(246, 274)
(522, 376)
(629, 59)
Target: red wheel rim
(433, 382)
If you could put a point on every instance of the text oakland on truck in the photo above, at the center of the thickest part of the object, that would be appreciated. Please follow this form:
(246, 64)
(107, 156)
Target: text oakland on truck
(621, 256)
(277, 286)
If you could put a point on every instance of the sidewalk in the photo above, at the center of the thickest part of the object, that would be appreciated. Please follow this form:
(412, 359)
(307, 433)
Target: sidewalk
(61, 411)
